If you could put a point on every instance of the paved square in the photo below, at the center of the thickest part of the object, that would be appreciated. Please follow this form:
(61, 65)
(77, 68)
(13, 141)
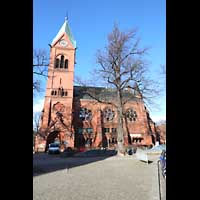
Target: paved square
(112, 178)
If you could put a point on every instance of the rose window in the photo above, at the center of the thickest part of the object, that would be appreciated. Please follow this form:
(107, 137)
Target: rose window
(108, 114)
(131, 115)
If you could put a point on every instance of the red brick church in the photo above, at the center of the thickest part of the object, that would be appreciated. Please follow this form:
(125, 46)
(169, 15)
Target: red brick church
(71, 116)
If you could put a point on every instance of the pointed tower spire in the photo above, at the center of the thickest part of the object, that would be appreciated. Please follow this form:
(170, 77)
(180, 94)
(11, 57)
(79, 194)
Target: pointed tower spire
(64, 29)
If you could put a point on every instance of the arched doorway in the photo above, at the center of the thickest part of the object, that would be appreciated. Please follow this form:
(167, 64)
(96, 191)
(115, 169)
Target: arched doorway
(51, 138)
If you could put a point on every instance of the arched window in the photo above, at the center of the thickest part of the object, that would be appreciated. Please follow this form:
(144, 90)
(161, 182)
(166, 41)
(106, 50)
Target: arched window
(59, 91)
(131, 115)
(57, 63)
(52, 92)
(55, 92)
(65, 93)
(66, 64)
(62, 92)
(62, 62)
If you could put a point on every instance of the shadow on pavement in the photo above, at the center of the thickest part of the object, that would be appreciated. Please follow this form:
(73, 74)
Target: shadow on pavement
(149, 161)
(44, 163)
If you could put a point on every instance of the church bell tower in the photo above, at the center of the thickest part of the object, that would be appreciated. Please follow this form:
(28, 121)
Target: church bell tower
(56, 119)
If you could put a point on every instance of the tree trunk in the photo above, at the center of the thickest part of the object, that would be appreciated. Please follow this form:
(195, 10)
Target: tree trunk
(120, 132)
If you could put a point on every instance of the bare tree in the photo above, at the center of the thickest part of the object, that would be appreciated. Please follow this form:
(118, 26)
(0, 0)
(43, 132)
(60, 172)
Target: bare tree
(40, 63)
(36, 121)
(121, 66)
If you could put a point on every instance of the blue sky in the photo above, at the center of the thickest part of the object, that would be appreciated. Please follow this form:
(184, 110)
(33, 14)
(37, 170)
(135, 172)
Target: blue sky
(91, 21)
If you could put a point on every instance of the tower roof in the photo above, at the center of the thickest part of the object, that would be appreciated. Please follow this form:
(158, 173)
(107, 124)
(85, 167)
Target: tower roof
(65, 29)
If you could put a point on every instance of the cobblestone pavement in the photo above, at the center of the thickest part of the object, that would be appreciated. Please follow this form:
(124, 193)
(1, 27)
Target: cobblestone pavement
(113, 178)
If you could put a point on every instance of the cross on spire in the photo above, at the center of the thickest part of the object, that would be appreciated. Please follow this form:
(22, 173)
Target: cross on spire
(66, 18)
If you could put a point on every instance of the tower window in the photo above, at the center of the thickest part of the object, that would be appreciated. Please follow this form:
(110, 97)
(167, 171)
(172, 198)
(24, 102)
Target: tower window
(66, 64)
(59, 91)
(62, 62)
(62, 92)
(57, 63)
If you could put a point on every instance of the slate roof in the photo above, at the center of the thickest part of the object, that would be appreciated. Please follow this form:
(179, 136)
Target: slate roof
(83, 92)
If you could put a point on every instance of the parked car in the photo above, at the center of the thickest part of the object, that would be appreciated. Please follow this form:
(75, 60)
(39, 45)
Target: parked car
(163, 163)
(54, 148)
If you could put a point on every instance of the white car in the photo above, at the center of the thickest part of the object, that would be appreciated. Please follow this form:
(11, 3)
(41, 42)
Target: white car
(54, 148)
